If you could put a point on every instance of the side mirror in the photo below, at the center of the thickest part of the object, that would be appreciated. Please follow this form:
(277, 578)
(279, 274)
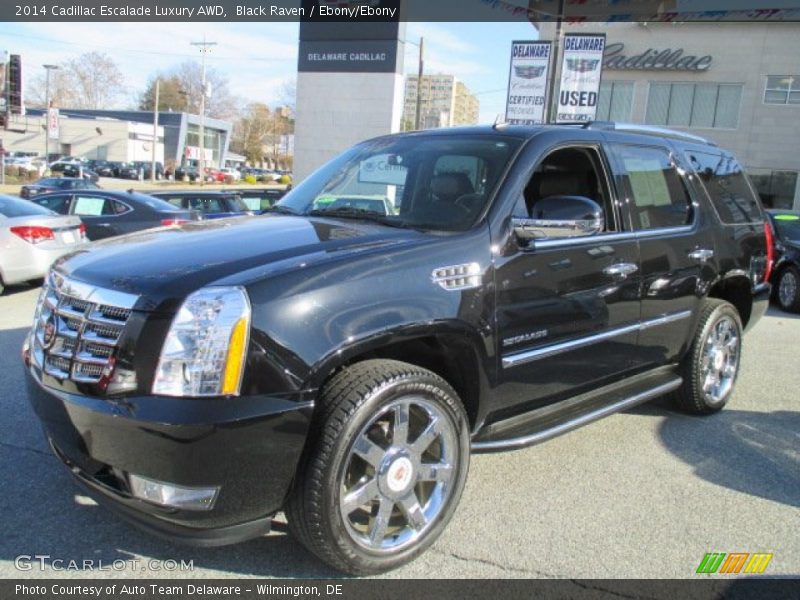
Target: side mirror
(560, 217)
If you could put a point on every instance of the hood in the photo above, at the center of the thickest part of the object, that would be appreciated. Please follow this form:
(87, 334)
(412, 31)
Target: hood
(164, 265)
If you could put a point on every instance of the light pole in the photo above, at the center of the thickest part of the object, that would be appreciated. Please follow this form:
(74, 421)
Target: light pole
(204, 49)
(48, 68)
(420, 70)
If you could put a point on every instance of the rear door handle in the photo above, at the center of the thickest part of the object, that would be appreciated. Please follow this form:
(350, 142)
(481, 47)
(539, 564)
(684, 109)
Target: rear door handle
(701, 254)
(621, 270)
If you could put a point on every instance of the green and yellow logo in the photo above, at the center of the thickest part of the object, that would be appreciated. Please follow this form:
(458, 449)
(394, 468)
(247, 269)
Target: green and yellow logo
(734, 562)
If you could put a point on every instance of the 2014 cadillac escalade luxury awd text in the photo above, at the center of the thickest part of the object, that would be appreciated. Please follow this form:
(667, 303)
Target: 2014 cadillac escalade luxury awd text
(419, 298)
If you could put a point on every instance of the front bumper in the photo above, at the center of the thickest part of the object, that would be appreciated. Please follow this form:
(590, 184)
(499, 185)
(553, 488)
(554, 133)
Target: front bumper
(249, 447)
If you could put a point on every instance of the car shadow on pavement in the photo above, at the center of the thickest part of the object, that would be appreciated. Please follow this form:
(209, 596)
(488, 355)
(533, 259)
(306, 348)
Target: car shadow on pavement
(57, 520)
(755, 453)
(774, 311)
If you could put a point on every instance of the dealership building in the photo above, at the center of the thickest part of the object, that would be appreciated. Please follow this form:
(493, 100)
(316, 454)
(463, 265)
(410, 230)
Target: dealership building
(122, 135)
(737, 84)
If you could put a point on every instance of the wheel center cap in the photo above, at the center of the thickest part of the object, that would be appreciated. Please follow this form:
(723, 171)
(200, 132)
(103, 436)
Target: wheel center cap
(719, 359)
(400, 474)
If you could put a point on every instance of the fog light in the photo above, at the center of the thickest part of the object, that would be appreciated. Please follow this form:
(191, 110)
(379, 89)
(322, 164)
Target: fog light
(174, 496)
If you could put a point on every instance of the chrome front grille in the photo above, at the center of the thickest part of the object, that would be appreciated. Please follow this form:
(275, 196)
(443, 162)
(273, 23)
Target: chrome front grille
(77, 328)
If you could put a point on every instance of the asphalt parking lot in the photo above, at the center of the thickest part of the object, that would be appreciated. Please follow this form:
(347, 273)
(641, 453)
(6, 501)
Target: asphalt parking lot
(641, 494)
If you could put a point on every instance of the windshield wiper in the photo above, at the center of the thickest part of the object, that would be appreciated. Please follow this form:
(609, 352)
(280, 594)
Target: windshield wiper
(351, 212)
(281, 210)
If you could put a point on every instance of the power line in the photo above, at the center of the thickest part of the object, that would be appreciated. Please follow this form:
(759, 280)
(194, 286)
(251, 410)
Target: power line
(132, 51)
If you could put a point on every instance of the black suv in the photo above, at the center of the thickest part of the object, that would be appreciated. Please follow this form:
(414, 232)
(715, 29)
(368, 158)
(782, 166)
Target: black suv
(341, 364)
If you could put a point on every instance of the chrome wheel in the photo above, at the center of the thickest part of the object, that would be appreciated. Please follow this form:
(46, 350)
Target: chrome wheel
(720, 360)
(397, 477)
(787, 289)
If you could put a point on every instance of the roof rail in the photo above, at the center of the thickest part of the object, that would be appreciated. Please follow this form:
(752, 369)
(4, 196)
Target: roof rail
(649, 130)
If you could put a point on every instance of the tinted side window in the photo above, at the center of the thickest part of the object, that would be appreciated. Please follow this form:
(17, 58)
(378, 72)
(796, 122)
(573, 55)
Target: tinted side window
(59, 204)
(727, 187)
(660, 198)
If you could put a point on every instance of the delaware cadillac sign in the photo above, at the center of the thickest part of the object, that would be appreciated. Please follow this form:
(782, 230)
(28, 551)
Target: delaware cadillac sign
(653, 60)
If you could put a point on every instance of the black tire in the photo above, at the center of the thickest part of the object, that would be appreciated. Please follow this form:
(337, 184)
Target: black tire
(694, 396)
(357, 398)
(2, 286)
(787, 289)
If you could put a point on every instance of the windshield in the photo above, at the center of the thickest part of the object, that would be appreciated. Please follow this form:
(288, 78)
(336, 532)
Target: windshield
(788, 225)
(427, 182)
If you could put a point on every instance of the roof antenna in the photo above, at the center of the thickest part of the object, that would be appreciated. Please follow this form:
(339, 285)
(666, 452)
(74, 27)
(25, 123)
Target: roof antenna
(499, 122)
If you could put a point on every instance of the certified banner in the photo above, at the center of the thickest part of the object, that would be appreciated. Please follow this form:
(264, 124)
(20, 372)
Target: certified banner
(527, 82)
(581, 67)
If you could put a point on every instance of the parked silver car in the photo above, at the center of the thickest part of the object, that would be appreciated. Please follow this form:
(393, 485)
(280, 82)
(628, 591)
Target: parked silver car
(31, 238)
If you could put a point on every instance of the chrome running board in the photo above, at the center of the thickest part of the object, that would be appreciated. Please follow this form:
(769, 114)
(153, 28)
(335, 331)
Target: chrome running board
(579, 421)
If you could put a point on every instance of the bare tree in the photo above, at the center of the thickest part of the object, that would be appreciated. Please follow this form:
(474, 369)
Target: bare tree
(250, 131)
(185, 80)
(92, 80)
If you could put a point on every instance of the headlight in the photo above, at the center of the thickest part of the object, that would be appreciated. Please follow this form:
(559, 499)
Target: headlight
(204, 352)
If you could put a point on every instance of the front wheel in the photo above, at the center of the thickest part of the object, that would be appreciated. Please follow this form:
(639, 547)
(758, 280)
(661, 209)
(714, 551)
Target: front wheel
(384, 468)
(711, 366)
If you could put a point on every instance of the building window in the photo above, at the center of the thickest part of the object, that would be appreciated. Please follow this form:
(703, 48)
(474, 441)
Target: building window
(694, 104)
(776, 188)
(615, 101)
(782, 89)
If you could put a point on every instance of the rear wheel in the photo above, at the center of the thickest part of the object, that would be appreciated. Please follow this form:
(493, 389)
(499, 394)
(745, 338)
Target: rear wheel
(788, 289)
(384, 468)
(2, 286)
(710, 368)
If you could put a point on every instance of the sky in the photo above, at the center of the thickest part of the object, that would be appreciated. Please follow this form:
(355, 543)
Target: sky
(257, 58)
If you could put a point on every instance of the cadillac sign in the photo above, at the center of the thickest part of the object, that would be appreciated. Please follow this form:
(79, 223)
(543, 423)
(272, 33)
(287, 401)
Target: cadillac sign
(654, 60)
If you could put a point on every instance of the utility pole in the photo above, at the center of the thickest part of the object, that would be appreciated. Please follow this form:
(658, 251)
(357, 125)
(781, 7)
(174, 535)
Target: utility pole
(552, 104)
(419, 84)
(48, 68)
(155, 133)
(204, 49)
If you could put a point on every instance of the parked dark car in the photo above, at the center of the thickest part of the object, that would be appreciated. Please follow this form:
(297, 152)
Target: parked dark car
(210, 205)
(786, 271)
(75, 170)
(341, 364)
(108, 213)
(52, 184)
(103, 168)
(187, 173)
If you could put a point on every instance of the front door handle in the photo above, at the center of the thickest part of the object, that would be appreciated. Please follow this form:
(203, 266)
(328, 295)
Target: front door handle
(701, 254)
(621, 270)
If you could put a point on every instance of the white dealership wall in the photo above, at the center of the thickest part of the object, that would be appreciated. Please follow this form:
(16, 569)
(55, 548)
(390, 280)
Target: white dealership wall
(337, 110)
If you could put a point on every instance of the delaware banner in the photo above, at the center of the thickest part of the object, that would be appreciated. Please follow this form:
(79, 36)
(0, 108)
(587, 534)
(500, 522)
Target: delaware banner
(581, 67)
(527, 82)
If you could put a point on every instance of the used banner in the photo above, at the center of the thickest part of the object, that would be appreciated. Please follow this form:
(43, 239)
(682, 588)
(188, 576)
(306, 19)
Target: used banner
(527, 82)
(581, 68)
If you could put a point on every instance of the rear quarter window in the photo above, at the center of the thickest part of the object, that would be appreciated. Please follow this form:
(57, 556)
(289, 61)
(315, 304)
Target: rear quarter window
(727, 186)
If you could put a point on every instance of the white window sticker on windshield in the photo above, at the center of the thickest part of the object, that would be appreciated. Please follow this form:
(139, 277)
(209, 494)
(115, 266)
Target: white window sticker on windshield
(383, 168)
(92, 207)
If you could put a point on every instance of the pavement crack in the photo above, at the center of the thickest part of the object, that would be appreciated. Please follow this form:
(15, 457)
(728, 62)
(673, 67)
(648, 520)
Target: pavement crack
(497, 565)
(15, 447)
